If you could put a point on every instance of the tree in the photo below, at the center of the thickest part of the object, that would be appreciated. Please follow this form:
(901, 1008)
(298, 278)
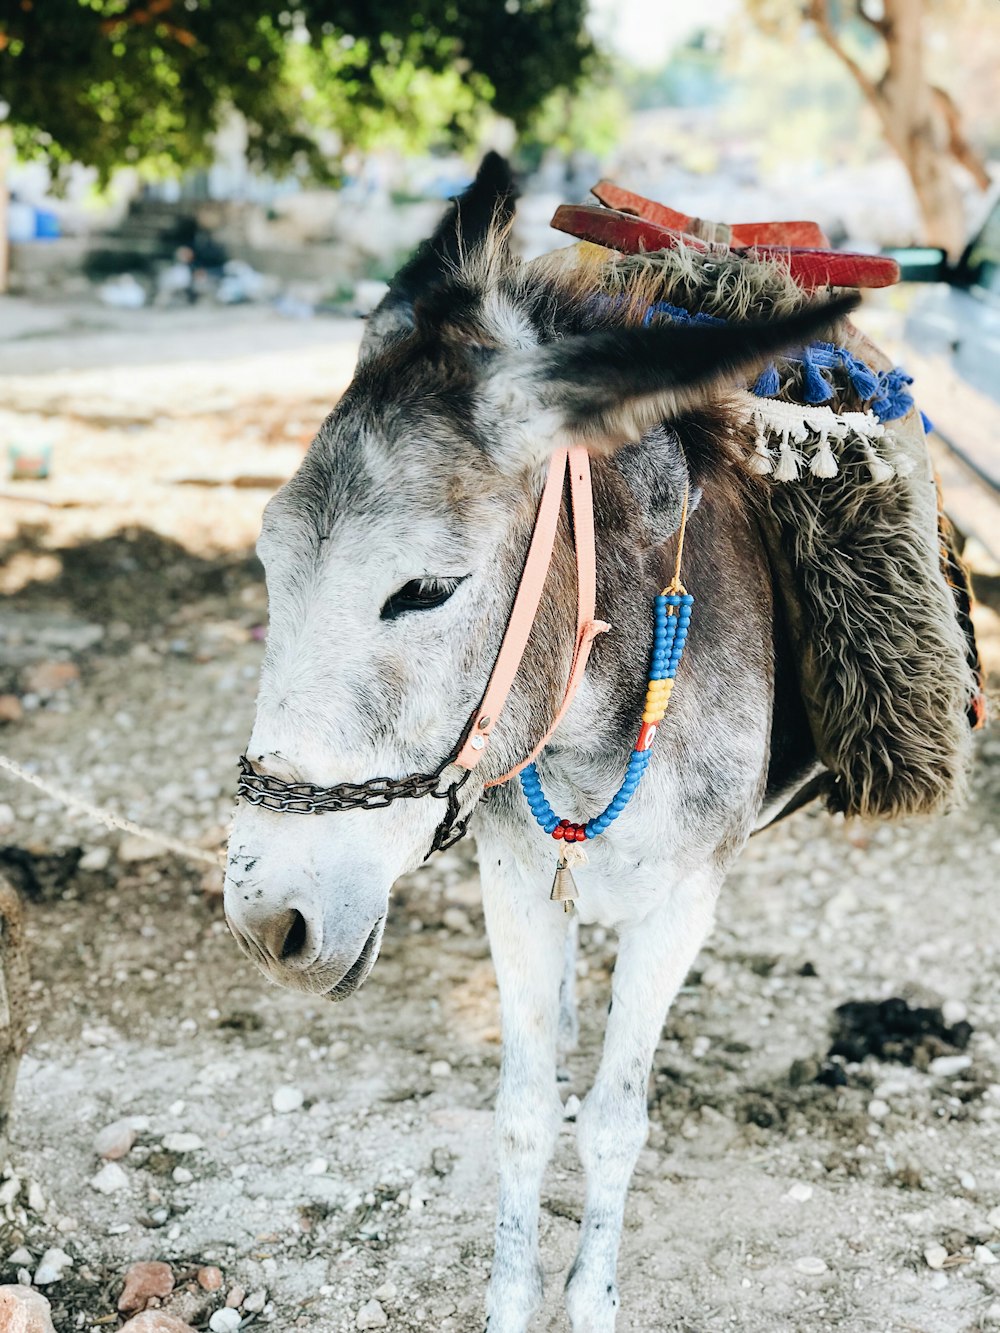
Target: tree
(883, 45)
(118, 82)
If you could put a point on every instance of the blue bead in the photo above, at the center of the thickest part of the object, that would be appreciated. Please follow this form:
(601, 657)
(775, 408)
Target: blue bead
(687, 599)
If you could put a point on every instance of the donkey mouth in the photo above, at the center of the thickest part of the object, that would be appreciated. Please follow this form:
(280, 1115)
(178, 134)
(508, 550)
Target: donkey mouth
(358, 972)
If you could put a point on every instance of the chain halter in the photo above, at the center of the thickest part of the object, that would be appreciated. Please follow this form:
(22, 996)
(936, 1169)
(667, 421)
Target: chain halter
(306, 798)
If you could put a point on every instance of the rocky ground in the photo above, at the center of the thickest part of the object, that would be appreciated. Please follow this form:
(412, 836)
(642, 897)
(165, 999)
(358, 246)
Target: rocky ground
(329, 1167)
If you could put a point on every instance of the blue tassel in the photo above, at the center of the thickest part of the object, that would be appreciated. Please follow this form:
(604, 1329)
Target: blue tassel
(768, 382)
(928, 424)
(816, 388)
(893, 401)
(863, 379)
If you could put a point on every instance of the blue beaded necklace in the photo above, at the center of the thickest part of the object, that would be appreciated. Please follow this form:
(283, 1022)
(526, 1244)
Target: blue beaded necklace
(672, 618)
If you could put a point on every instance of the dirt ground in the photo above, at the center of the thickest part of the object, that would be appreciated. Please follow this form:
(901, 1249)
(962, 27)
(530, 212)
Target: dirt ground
(764, 1201)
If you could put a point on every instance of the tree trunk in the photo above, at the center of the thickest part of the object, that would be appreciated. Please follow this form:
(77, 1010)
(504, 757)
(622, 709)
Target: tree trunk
(13, 1000)
(920, 122)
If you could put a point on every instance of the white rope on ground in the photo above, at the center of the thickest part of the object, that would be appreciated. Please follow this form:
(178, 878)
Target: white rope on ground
(109, 819)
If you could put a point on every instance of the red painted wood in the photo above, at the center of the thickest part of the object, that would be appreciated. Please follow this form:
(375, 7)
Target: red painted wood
(809, 267)
(800, 233)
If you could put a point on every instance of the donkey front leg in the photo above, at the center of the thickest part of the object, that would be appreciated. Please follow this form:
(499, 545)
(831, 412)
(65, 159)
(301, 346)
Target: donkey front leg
(527, 939)
(654, 956)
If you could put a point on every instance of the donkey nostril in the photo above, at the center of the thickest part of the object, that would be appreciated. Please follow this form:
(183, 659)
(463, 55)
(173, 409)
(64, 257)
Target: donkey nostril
(295, 939)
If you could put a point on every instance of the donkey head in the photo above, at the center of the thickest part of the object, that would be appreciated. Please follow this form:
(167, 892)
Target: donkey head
(393, 553)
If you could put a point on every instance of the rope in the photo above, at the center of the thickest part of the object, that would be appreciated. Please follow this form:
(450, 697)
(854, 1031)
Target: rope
(110, 820)
(675, 585)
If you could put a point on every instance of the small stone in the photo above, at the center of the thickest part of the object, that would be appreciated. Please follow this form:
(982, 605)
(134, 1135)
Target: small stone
(235, 1298)
(143, 1282)
(24, 1311)
(98, 858)
(109, 1179)
(182, 1176)
(993, 1218)
(947, 1066)
(10, 708)
(572, 1107)
(993, 1313)
(9, 1190)
(811, 1265)
(51, 1267)
(134, 848)
(317, 1167)
(210, 1278)
(179, 1141)
(287, 1099)
(935, 1255)
(19, 1258)
(984, 1255)
(700, 1047)
(256, 1301)
(967, 1181)
(36, 1199)
(225, 1320)
(47, 678)
(800, 1192)
(155, 1321)
(115, 1141)
(7, 816)
(439, 1069)
(457, 921)
(954, 1011)
(371, 1315)
(387, 1292)
(878, 1109)
(937, 1281)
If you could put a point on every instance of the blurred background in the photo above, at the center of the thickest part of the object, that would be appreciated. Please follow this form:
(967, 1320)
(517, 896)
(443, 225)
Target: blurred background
(199, 202)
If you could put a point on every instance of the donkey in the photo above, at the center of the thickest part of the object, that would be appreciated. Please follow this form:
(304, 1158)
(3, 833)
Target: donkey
(392, 558)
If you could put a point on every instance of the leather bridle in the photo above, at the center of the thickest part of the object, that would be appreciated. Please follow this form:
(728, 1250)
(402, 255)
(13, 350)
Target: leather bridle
(306, 798)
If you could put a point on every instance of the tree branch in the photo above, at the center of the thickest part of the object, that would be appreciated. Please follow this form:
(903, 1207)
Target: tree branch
(958, 145)
(818, 11)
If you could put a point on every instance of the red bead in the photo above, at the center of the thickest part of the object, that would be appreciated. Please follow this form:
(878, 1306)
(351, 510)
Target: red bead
(579, 833)
(559, 831)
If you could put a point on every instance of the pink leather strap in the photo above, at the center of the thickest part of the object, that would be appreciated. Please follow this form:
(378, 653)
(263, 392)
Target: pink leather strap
(526, 601)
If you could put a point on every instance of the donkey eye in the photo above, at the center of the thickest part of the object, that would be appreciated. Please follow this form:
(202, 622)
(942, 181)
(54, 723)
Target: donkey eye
(419, 595)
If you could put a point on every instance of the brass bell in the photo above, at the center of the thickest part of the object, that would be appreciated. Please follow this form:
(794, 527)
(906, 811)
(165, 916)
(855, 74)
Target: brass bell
(564, 888)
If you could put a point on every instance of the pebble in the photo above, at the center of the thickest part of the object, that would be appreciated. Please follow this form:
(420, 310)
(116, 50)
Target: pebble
(143, 1282)
(7, 816)
(935, 1256)
(954, 1011)
(9, 1190)
(287, 1099)
(179, 1141)
(109, 1179)
(256, 1301)
(993, 1218)
(10, 708)
(115, 1141)
(36, 1199)
(800, 1192)
(225, 1320)
(210, 1278)
(182, 1176)
(993, 1313)
(134, 848)
(810, 1265)
(371, 1315)
(51, 1266)
(946, 1066)
(96, 859)
(938, 1281)
(317, 1167)
(387, 1292)
(700, 1047)
(439, 1069)
(19, 1258)
(155, 1321)
(235, 1298)
(984, 1255)
(878, 1109)
(572, 1108)
(457, 921)
(24, 1311)
(50, 677)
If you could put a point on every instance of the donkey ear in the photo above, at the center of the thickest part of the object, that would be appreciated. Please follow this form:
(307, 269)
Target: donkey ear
(488, 202)
(608, 388)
